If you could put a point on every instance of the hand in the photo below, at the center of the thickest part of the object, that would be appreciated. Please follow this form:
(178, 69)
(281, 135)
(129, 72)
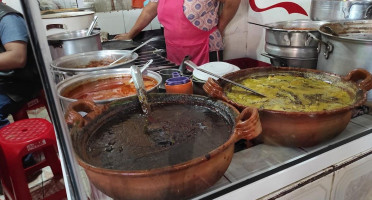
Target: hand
(123, 36)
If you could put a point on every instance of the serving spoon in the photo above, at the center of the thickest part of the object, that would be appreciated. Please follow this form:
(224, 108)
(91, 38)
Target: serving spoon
(143, 68)
(195, 67)
(90, 29)
(140, 88)
(131, 52)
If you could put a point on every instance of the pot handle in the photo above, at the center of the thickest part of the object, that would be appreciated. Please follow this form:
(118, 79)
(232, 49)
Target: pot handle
(362, 77)
(213, 89)
(56, 26)
(74, 118)
(248, 124)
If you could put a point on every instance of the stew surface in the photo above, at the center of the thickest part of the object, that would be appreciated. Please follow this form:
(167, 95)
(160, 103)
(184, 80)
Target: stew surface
(291, 93)
(108, 88)
(101, 63)
(171, 134)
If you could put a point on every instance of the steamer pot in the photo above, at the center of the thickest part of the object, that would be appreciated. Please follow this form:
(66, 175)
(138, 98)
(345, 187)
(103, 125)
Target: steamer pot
(78, 80)
(72, 42)
(289, 43)
(70, 65)
(175, 181)
(293, 33)
(335, 10)
(299, 129)
(57, 22)
(350, 49)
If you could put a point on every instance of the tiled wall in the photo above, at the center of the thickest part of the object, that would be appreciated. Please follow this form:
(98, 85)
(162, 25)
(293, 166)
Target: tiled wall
(116, 22)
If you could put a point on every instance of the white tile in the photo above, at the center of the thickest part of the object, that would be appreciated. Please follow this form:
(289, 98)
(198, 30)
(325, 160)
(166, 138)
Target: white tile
(353, 181)
(155, 24)
(111, 22)
(235, 45)
(130, 18)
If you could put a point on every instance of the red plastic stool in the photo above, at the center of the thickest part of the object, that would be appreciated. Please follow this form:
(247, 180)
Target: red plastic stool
(37, 102)
(16, 141)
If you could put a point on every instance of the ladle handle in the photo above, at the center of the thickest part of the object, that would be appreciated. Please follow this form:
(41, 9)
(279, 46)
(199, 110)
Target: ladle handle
(135, 49)
(248, 124)
(269, 27)
(194, 66)
(90, 29)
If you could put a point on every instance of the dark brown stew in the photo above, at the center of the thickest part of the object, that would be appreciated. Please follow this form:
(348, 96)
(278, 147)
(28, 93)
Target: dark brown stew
(172, 134)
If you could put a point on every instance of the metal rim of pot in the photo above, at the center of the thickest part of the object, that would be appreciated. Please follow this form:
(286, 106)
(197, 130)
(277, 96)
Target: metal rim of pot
(340, 28)
(71, 35)
(91, 56)
(79, 79)
(294, 25)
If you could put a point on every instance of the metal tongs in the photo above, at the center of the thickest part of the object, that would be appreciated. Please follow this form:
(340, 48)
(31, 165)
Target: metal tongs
(195, 67)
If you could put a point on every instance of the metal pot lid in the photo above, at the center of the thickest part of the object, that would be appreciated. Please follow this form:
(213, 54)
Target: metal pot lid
(358, 30)
(56, 14)
(78, 62)
(291, 52)
(72, 35)
(296, 25)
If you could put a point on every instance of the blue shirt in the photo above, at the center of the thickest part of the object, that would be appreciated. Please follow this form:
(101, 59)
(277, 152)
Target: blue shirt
(13, 28)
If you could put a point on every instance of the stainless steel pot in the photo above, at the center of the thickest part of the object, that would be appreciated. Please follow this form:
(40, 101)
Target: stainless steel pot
(71, 65)
(350, 49)
(58, 21)
(76, 81)
(71, 42)
(292, 43)
(291, 52)
(293, 33)
(341, 10)
(307, 63)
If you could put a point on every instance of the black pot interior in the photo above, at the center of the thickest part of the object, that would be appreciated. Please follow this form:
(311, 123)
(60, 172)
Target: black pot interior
(179, 128)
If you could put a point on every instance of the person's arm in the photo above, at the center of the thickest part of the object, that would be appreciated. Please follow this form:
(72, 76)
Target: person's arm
(15, 55)
(228, 11)
(148, 13)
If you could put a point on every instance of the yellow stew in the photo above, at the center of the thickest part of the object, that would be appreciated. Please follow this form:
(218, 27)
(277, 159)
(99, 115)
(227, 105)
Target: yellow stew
(291, 93)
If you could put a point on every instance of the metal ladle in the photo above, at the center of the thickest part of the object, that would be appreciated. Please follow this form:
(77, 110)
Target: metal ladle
(90, 29)
(140, 88)
(143, 68)
(131, 52)
(195, 67)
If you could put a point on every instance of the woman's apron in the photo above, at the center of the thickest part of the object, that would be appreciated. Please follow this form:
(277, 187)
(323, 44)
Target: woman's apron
(182, 38)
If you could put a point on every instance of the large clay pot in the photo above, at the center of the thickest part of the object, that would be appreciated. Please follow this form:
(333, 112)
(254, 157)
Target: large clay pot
(300, 129)
(174, 181)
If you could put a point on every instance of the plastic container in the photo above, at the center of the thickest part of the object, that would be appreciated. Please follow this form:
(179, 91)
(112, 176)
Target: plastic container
(178, 84)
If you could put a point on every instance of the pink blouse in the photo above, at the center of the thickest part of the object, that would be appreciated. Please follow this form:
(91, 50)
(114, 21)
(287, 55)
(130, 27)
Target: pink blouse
(203, 14)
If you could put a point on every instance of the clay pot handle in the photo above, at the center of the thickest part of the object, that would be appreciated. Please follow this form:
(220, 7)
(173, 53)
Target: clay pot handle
(362, 77)
(212, 88)
(72, 116)
(248, 124)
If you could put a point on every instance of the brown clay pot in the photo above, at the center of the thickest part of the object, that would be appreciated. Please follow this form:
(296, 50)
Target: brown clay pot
(171, 182)
(300, 129)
